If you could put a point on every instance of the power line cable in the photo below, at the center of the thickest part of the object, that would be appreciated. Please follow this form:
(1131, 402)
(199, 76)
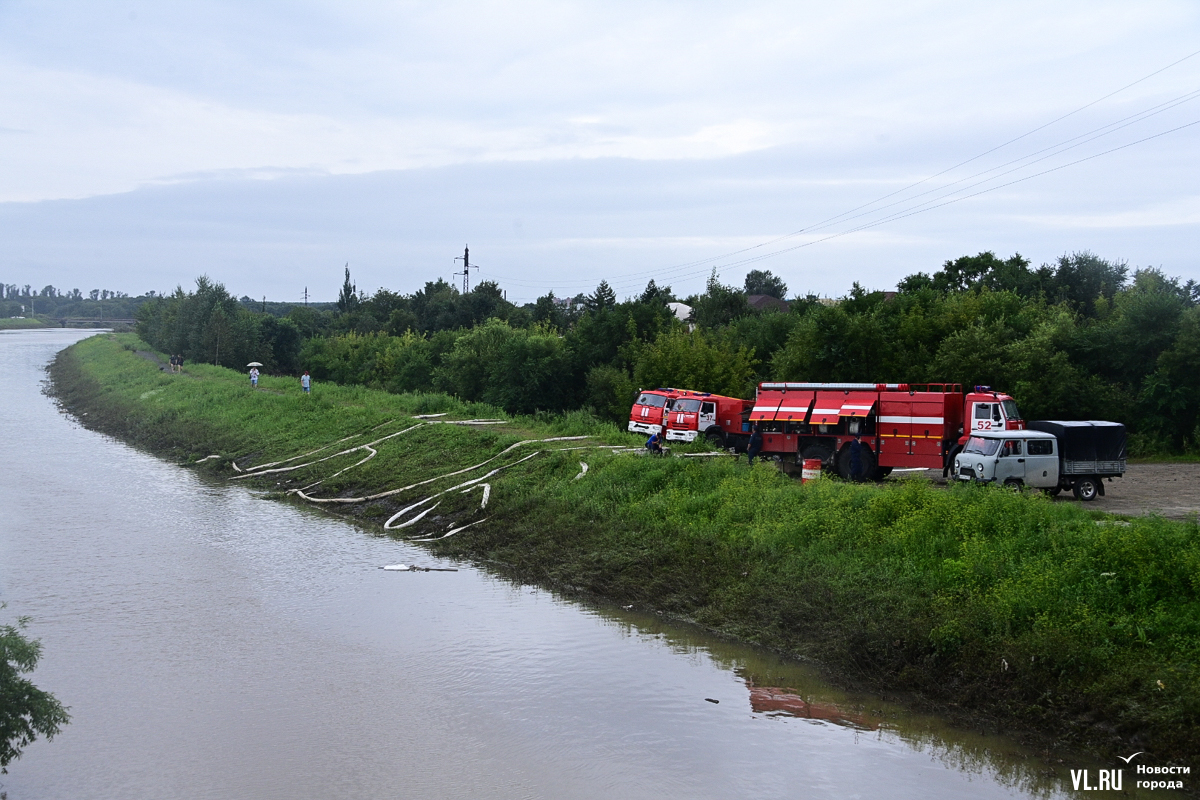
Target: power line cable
(667, 272)
(928, 206)
(931, 206)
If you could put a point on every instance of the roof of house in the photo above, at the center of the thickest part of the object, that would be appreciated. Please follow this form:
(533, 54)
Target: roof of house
(763, 302)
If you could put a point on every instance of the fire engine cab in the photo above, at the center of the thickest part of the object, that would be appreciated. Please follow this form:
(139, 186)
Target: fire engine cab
(896, 425)
(722, 420)
(649, 412)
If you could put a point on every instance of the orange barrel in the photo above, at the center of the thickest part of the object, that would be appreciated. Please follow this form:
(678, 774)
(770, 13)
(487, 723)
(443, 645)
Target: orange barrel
(811, 470)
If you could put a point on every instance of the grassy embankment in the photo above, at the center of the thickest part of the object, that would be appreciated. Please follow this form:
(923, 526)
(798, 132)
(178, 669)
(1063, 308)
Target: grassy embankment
(1000, 603)
(18, 323)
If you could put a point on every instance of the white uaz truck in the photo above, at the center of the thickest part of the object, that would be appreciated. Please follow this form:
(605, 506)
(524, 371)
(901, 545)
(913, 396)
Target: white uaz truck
(1048, 455)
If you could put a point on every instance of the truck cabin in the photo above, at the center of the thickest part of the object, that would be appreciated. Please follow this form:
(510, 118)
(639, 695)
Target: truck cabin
(702, 414)
(650, 409)
(692, 414)
(1024, 457)
(991, 411)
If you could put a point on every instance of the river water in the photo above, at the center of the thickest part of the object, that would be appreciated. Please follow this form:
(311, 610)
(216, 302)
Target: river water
(213, 644)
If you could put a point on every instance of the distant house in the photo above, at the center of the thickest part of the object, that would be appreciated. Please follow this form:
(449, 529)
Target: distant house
(682, 311)
(765, 302)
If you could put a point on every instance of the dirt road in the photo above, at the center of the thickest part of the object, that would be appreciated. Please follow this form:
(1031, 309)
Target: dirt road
(1169, 489)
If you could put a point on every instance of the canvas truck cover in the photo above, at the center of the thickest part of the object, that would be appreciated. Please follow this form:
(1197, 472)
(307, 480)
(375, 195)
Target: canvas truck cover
(1086, 440)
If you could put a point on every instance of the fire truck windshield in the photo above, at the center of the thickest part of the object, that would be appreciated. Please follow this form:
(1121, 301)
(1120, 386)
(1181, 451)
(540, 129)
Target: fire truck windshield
(687, 405)
(982, 446)
(655, 400)
(1010, 410)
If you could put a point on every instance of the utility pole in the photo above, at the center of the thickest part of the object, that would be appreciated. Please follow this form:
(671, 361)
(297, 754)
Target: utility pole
(306, 297)
(264, 304)
(466, 273)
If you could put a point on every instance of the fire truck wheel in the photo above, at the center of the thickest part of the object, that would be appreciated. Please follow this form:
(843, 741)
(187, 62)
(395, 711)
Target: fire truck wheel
(867, 470)
(881, 473)
(950, 460)
(715, 437)
(816, 451)
(1085, 489)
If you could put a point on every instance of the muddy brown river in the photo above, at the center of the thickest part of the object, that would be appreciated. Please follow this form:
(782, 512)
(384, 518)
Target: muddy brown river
(213, 644)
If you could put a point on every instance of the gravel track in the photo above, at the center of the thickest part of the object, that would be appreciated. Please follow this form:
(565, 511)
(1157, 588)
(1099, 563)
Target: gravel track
(1170, 489)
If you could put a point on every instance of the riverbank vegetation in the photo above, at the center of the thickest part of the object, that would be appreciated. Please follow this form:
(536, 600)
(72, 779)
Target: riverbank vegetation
(1005, 604)
(1082, 338)
(26, 712)
(21, 323)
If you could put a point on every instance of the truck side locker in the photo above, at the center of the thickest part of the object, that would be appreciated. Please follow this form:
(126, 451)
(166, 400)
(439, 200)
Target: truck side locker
(894, 426)
(928, 422)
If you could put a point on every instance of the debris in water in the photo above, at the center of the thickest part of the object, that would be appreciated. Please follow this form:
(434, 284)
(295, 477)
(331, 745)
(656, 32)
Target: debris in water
(415, 568)
(710, 700)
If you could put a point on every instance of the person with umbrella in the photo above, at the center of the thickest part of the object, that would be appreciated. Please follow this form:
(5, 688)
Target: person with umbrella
(254, 365)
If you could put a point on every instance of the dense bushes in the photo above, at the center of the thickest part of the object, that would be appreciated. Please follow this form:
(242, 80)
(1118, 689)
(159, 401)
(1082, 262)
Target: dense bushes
(210, 326)
(1078, 339)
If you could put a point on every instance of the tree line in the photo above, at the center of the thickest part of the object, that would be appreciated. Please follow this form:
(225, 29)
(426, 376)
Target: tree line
(1080, 338)
(49, 301)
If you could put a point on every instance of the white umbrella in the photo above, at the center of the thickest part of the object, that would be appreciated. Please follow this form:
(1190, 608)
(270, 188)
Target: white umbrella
(254, 364)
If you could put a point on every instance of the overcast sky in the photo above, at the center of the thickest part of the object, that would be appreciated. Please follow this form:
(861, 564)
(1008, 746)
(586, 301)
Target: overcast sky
(268, 144)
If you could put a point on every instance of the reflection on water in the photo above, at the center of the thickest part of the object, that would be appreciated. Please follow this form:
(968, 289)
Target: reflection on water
(774, 700)
(215, 644)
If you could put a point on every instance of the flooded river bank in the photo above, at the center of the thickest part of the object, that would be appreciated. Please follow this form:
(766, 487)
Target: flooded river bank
(214, 644)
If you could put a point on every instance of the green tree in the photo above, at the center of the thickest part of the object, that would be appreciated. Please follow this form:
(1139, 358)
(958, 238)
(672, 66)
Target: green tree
(653, 294)
(763, 282)
(695, 361)
(26, 711)
(522, 370)
(603, 298)
(348, 297)
(719, 305)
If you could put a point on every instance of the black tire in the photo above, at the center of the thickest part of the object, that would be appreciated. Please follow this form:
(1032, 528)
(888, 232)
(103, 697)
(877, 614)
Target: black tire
(880, 473)
(954, 451)
(1086, 489)
(715, 437)
(816, 451)
(868, 464)
(1014, 484)
(1053, 491)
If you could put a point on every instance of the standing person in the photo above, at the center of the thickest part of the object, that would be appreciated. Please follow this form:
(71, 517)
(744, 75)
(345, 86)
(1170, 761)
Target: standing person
(179, 363)
(254, 377)
(856, 459)
(756, 443)
(171, 361)
(306, 382)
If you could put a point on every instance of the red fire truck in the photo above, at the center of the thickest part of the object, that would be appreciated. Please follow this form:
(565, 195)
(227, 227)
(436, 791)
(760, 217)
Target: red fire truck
(897, 424)
(649, 412)
(724, 421)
